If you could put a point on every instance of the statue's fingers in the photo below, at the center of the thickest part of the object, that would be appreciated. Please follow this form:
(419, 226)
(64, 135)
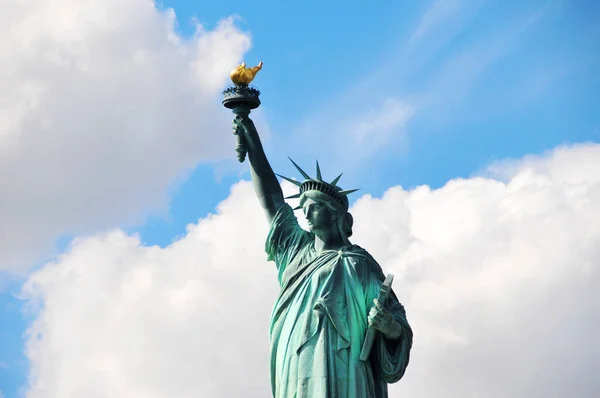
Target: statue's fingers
(379, 317)
(386, 311)
(243, 120)
(378, 305)
(376, 324)
(238, 121)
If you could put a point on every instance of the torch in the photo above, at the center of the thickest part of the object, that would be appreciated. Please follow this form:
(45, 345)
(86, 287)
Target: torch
(241, 99)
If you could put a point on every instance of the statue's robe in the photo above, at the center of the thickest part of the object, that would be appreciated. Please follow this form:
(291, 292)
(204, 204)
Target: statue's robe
(319, 321)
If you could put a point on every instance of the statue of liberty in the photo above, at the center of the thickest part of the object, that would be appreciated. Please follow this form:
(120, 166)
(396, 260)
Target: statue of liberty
(329, 291)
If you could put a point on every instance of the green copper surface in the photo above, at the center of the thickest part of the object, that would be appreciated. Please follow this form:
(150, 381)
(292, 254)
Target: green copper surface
(329, 291)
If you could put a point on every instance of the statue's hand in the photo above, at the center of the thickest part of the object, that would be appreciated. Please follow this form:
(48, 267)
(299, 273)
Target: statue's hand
(245, 127)
(381, 319)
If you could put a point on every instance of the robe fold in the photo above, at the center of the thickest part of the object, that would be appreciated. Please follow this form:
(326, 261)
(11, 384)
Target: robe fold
(319, 321)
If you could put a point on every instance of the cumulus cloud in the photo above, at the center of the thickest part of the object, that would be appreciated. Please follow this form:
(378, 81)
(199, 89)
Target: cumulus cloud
(498, 275)
(189, 320)
(103, 105)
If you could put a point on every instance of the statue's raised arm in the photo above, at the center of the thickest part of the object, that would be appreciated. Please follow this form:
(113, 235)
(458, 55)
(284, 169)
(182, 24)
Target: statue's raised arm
(265, 182)
(241, 99)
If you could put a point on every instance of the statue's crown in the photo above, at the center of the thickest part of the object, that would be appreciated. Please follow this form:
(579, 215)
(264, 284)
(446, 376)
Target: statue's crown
(318, 184)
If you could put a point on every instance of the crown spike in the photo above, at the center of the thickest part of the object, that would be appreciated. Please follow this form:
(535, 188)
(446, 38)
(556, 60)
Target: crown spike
(296, 196)
(319, 177)
(296, 183)
(336, 180)
(347, 192)
(300, 170)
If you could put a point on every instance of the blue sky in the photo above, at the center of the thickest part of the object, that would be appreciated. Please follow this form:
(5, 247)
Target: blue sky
(490, 80)
(476, 81)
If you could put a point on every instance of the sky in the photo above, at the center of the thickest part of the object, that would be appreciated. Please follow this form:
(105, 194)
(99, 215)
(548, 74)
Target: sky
(131, 250)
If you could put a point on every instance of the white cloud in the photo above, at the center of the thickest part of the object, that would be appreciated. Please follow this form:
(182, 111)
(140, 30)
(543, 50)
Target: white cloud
(499, 280)
(102, 107)
(180, 321)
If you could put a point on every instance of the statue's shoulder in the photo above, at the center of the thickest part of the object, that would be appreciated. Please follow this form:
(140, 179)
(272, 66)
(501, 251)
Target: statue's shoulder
(358, 252)
(364, 259)
(285, 221)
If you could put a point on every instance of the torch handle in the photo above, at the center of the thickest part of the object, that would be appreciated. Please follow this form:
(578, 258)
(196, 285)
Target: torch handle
(240, 147)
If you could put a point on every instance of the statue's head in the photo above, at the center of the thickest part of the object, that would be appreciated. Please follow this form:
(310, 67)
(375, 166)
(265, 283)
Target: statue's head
(325, 205)
(323, 214)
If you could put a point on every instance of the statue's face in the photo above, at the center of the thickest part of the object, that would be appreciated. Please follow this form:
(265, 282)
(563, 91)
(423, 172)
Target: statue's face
(318, 215)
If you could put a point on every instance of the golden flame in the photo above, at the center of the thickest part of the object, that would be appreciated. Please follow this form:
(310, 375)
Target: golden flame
(243, 75)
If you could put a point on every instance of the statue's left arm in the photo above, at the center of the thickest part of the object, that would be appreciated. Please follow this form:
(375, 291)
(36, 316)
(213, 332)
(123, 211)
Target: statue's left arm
(391, 353)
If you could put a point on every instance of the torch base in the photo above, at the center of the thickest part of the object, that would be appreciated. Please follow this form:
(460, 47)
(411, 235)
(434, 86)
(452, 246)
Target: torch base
(241, 96)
